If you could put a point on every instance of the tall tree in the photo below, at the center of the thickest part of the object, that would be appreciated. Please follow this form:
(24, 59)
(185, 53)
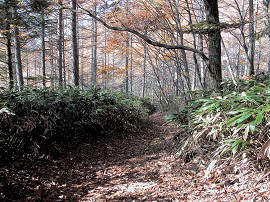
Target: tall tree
(17, 46)
(40, 6)
(251, 39)
(127, 63)
(60, 45)
(266, 4)
(43, 54)
(93, 76)
(7, 8)
(144, 69)
(74, 44)
(214, 41)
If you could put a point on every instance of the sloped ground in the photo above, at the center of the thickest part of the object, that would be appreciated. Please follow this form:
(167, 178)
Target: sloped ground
(141, 167)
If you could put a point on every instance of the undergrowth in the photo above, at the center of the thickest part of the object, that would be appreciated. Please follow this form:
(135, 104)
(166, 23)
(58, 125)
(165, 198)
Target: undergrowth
(236, 121)
(40, 121)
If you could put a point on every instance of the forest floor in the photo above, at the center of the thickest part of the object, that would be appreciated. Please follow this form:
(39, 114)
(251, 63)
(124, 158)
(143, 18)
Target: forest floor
(139, 167)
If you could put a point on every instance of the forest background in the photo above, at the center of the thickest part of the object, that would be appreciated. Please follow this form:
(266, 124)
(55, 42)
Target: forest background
(61, 43)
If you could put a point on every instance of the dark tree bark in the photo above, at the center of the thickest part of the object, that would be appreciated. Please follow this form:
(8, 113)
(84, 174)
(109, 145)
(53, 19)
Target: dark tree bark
(75, 54)
(251, 41)
(214, 41)
(43, 55)
(59, 46)
(8, 44)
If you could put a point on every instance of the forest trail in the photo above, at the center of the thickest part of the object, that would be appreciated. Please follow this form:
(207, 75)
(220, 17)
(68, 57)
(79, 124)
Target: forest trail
(141, 167)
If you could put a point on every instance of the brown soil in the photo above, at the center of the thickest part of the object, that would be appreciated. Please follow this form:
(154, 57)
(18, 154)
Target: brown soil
(139, 167)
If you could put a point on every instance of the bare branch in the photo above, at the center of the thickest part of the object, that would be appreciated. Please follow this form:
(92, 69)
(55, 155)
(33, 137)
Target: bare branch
(142, 36)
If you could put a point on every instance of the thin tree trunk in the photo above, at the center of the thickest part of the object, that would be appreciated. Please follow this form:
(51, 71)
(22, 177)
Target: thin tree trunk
(74, 45)
(9, 57)
(251, 41)
(105, 59)
(131, 68)
(229, 61)
(82, 66)
(35, 68)
(93, 70)
(267, 23)
(59, 46)
(144, 69)
(17, 46)
(27, 70)
(126, 62)
(259, 58)
(203, 70)
(196, 65)
(52, 72)
(8, 45)
(180, 38)
(158, 79)
(43, 59)
(65, 67)
(127, 52)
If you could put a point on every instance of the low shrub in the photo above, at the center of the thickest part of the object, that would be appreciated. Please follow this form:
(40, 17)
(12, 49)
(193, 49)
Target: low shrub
(237, 120)
(37, 121)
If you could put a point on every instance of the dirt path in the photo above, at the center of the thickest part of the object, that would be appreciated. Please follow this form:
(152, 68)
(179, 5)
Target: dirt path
(142, 167)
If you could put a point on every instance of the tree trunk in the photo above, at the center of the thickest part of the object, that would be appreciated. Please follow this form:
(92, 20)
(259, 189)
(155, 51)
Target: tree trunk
(214, 41)
(74, 45)
(65, 67)
(8, 45)
(267, 23)
(229, 63)
(93, 77)
(43, 59)
(17, 46)
(59, 46)
(197, 72)
(9, 57)
(251, 44)
(131, 67)
(52, 71)
(126, 65)
(82, 65)
(144, 69)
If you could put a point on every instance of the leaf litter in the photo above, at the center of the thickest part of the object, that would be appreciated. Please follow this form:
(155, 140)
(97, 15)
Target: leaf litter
(139, 167)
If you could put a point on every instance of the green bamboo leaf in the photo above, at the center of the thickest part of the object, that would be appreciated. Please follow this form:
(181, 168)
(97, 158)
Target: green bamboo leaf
(259, 118)
(224, 151)
(231, 121)
(244, 116)
(252, 125)
(247, 98)
(234, 149)
(267, 108)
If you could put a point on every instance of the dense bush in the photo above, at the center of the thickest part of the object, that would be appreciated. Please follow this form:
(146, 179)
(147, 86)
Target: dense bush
(37, 121)
(238, 119)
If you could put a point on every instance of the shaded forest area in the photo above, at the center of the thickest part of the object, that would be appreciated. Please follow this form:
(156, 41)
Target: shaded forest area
(134, 100)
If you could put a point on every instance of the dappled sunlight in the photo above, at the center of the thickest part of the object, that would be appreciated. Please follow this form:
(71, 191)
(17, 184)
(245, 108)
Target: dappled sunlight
(139, 167)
